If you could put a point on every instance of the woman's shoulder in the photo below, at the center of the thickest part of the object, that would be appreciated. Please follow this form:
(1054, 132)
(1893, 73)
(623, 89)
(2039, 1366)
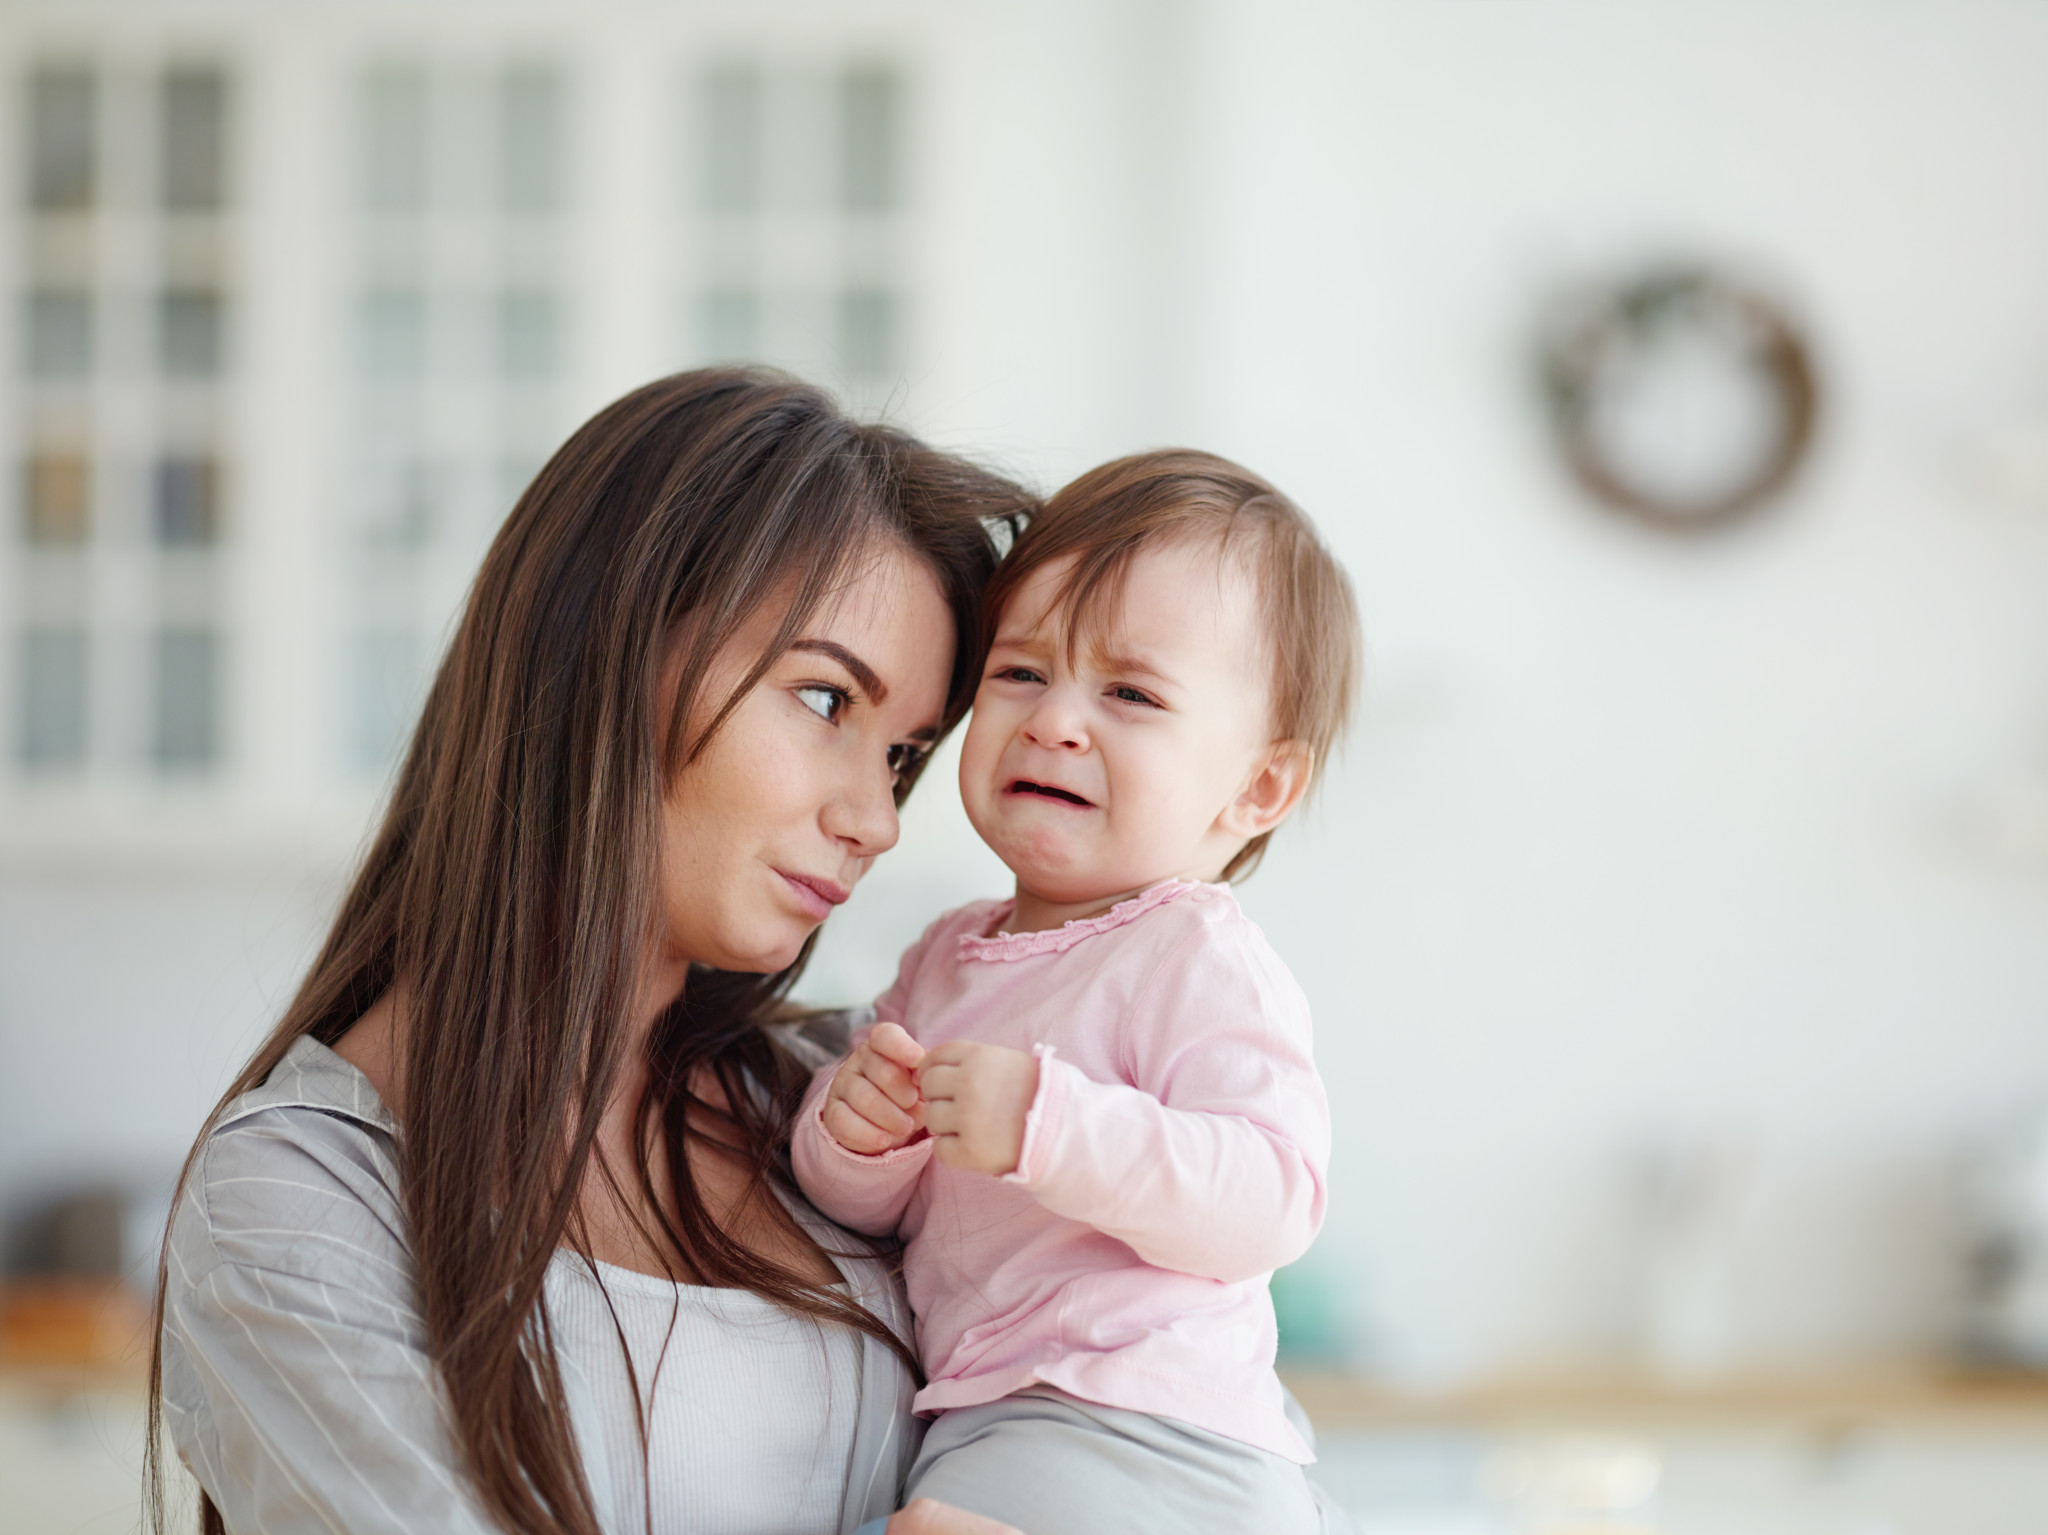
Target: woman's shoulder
(819, 1038)
(298, 1175)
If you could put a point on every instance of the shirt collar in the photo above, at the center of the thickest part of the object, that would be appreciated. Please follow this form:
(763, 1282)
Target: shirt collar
(1057, 940)
(311, 1076)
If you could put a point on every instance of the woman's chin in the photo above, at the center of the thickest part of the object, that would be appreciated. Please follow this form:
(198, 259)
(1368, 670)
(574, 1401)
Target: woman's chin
(765, 953)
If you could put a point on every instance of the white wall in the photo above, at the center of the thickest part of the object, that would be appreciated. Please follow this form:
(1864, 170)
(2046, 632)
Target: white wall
(1638, 838)
(128, 998)
(1643, 835)
(1641, 841)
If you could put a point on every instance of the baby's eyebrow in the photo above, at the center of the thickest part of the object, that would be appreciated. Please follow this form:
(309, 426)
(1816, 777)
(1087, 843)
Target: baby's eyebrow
(1131, 666)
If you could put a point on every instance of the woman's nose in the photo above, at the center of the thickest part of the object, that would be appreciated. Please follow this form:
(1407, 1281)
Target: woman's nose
(863, 814)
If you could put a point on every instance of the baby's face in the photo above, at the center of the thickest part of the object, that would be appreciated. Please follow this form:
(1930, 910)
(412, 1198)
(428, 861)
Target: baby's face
(1096, 778)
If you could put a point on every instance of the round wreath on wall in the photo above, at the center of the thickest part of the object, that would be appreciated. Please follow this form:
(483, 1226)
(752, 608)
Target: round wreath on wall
(1680, 396)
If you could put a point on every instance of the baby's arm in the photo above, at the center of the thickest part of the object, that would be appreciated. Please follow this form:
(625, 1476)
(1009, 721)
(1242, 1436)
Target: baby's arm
(1228, 1191)
(1214, 1164)
(857, 1146)
(866, 1190)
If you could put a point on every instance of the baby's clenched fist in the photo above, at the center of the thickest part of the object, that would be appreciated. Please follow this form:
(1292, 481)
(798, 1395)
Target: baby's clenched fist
(873, 1104)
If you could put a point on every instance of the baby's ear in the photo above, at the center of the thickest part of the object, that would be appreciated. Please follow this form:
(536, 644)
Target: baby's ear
(1278, 781)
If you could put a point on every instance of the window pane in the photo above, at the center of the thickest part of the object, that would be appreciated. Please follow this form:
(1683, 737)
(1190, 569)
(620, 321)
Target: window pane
(867, 333)
(189, 332)
(187, 722)
(732, 138)
(50, 732)
(393, 143)
(59, 333)
(187, 501)
(870, 109)
(392, 333)
(57, 498)
(515, 473)
(531, 138)
(384, 686)
(194, 140)
(529, 334)
(398, 502)
(62, 107)
(730, 325)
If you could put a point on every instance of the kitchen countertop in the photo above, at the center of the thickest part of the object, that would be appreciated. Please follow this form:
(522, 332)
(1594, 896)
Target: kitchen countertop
(1906, 1396)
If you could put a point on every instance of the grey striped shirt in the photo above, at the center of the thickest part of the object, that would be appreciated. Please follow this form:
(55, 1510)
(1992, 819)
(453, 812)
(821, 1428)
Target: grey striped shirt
(296, 1383)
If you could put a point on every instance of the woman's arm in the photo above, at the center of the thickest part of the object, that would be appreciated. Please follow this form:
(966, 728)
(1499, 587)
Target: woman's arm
(296, 1383)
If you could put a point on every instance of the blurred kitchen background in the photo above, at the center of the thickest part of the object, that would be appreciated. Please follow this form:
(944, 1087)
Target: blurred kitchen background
(1672, 376)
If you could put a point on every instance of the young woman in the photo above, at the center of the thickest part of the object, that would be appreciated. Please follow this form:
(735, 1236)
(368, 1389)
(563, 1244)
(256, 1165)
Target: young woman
(496, 1231)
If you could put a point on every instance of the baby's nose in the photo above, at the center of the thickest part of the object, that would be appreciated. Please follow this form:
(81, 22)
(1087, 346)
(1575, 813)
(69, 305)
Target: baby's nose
(1056, 723)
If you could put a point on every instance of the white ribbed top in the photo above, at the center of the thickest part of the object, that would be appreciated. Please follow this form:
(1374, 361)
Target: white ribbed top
(728, 1381)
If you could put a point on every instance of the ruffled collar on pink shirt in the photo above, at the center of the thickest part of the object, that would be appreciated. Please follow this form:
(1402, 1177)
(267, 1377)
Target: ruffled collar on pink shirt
(1057, 940)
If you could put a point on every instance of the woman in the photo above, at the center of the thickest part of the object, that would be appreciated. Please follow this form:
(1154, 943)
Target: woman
(495, 1232)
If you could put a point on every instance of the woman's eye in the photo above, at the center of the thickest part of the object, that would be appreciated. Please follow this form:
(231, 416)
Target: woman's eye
(823, 701)
(904, 759)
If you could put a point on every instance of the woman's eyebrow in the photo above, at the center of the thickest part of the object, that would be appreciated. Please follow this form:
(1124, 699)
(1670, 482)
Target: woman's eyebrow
(862, 673)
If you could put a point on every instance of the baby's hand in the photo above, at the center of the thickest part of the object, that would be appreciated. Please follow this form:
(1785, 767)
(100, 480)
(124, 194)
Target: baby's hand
(873, 1105)
(976, 1097)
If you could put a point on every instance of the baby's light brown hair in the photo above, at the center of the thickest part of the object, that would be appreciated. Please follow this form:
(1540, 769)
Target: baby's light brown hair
(1305, 606)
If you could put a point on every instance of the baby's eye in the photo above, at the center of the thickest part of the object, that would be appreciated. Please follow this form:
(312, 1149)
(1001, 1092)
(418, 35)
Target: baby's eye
(1016, 674)
(825, 702)
(905, 759)
(1125, 694)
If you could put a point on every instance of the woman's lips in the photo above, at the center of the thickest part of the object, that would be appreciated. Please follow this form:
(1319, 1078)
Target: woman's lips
(817, 896)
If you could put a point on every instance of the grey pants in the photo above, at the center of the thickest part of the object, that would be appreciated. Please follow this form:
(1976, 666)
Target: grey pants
(1050, 1464)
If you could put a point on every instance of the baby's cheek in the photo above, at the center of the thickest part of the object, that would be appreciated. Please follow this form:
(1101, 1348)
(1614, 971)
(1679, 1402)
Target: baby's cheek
(981, 742)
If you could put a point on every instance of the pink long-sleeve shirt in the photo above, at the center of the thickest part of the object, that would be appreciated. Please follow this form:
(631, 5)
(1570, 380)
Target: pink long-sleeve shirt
(1173, 1158)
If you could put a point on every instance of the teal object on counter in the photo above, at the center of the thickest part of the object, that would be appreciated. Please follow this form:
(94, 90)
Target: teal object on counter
(1308, 1305)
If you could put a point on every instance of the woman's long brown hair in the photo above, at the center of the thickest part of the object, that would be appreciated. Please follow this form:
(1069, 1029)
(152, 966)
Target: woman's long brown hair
(513, 881)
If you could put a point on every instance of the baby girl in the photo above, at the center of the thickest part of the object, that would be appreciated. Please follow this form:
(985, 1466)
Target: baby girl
(1090, 1111)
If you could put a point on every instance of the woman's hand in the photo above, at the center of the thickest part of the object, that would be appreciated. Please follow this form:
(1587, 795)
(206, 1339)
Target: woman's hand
(976, 1097)
(873, 1104)
(924, 1517)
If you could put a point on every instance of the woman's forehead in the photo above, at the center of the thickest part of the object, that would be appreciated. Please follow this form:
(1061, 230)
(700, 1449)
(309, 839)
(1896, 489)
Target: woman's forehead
(873, 586)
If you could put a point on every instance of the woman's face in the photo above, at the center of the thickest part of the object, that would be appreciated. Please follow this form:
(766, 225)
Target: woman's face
(781, 814)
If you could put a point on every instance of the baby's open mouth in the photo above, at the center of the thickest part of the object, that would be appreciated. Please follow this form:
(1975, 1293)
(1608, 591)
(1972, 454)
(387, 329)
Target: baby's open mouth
(1026, 786)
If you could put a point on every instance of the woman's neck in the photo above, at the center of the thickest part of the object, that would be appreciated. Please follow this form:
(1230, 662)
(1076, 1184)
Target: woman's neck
(613, 1224)
(376, 1043)
(375, 1046)
(662, 980)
